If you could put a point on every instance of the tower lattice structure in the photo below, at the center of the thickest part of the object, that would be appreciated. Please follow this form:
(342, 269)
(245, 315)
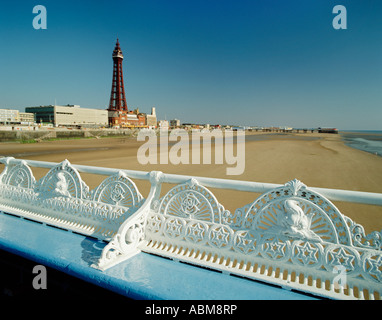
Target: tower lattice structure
(117, 106)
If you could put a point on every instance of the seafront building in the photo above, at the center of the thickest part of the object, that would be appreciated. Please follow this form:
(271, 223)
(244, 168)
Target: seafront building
(69, 115)
(151, 119)
(27, 118)
(175, 123)
(10, 116)
(163, 124)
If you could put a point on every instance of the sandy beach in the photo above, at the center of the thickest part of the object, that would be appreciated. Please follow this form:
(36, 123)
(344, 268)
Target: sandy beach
(318, 160)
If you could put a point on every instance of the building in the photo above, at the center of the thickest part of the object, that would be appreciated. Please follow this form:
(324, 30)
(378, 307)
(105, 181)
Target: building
(69, 115)
(26, 118)
(118, 114)
(134, 119)
(163, 124)
(9, 116)
(151, 119)
(328, 130)
(175, 123)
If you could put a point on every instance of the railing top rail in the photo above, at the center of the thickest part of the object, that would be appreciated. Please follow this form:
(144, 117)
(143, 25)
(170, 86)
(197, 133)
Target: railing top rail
(238, 185)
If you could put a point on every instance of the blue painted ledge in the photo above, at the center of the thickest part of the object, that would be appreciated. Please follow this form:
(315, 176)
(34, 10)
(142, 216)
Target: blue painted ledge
(143, 276)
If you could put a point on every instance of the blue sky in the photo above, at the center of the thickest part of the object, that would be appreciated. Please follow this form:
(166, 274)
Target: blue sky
(255, 62)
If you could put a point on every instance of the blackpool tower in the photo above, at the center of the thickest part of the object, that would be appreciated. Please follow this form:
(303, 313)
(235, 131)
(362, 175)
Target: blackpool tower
(117, 107)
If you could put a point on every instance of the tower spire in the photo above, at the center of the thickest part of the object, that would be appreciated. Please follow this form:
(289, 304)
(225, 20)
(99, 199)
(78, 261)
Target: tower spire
(117, 104)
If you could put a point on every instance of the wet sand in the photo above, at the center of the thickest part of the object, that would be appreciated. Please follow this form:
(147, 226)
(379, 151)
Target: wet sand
(318, 160)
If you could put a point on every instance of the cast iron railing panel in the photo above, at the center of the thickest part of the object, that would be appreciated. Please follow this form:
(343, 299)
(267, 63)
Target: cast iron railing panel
(292, 235)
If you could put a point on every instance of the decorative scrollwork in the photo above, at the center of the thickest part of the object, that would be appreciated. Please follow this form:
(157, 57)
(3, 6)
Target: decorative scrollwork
(236, 219)
(118, 190)
(20, 175)
(62, 198)
(125, 243)
(293, 222)
(189, 203)
(295, 186)
(192, 201)
(62, 180)
(360, 239)
(290, 229)
(297, 212)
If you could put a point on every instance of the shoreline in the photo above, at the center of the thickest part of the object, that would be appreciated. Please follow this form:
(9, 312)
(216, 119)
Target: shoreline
(370, 141)
(346, 136)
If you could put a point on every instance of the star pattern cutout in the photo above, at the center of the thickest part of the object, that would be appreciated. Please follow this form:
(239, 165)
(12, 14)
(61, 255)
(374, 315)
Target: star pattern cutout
(155, 224)
(275, 249)
(245, 242)
(195, 232)
(306, 253)
(376, 267)
(174, 228)
(342, 258)
(219, 237)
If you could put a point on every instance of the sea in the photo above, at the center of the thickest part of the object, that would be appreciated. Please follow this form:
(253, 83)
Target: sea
(369, 141)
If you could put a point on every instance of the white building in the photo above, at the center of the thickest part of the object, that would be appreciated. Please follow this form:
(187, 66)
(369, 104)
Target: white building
(26, 118)
(163, 124)
(70, 115)
(8, 116)
(175, 123)
(151, 119)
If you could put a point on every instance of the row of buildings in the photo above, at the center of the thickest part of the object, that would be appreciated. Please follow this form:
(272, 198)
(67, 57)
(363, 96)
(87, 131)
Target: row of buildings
(117, 115)
(75, 116)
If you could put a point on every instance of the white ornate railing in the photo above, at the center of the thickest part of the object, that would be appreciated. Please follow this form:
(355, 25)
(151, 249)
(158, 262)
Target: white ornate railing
(291, 235)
